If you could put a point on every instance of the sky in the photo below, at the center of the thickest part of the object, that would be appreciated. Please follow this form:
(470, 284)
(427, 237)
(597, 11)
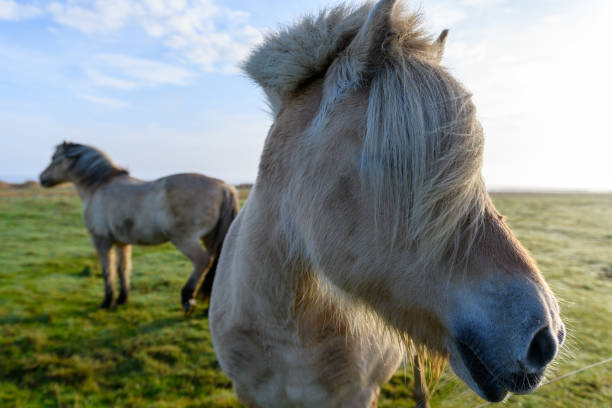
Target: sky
(156, 84)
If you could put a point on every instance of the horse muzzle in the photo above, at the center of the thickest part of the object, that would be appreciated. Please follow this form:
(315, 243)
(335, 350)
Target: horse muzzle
(493, 371)
(45, 182)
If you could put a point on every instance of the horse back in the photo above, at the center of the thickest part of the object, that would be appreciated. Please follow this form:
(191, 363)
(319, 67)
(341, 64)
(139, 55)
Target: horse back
(193, 202)
(173, 208)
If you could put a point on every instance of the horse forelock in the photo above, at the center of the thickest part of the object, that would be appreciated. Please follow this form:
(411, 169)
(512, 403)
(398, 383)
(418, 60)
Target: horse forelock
(422, 158)
(90, 166)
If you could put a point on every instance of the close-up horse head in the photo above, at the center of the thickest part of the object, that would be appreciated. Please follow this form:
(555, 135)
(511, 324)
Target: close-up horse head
(375, 156)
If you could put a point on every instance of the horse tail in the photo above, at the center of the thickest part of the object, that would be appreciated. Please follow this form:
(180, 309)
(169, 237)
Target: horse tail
(214, 239)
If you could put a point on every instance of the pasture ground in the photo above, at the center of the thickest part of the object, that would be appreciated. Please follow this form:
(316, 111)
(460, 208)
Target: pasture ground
(57, 349)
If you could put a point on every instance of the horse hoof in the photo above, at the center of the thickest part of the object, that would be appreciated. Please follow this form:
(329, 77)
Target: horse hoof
(107, 304)
(422, 404)
(189, 307)
(123, 298)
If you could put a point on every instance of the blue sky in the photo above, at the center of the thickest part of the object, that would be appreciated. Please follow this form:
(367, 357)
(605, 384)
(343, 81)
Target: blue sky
(154, 83)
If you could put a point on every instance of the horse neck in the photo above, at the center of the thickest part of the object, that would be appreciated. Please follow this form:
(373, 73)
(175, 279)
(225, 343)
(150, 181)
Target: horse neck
(274, 279)
(85, 191)
(288, 288)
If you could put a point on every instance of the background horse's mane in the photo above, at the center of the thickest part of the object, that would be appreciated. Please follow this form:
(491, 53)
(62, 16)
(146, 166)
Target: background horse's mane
(90, 166)
(422, 149)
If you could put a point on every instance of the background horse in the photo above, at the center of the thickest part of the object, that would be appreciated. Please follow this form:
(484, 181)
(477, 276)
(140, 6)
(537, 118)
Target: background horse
(120, 210)
(369, 228)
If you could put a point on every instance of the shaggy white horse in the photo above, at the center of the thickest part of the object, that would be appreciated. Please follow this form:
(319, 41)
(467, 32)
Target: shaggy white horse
(369, 228)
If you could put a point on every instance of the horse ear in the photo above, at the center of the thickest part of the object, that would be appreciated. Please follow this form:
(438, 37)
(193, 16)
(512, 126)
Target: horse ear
(368, 47)
(438, 46)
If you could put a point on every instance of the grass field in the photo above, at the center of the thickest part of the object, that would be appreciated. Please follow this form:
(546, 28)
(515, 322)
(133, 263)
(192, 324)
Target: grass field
(57, 349)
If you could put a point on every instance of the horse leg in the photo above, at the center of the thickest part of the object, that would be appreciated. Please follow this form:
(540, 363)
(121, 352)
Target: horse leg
(375, 401)
(124, 267)
(201, 260)
(420, 392)
(104, 248)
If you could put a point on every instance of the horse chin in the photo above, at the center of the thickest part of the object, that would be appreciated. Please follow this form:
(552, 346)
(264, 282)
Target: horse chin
(479, 376)
(47, 183)
(469, 367)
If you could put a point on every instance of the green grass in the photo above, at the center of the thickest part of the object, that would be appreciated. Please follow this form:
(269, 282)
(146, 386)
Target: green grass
(57, 349)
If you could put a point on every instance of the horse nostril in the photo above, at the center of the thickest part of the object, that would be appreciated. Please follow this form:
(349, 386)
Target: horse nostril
(542, 349)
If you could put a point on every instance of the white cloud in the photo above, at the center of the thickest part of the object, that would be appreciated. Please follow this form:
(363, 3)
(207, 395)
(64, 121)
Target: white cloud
(104, 101)
(201, 32)
(104, 16)
(124, 72)
(9, 10)
(101, 79)
(128, 73)
(213, 37)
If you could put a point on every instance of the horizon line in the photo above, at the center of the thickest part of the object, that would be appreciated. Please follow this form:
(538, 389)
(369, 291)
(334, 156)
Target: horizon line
(21, 180)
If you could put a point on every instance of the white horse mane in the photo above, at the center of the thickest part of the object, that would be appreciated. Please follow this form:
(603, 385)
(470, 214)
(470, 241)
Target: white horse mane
(293, 55)
(422, 150)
